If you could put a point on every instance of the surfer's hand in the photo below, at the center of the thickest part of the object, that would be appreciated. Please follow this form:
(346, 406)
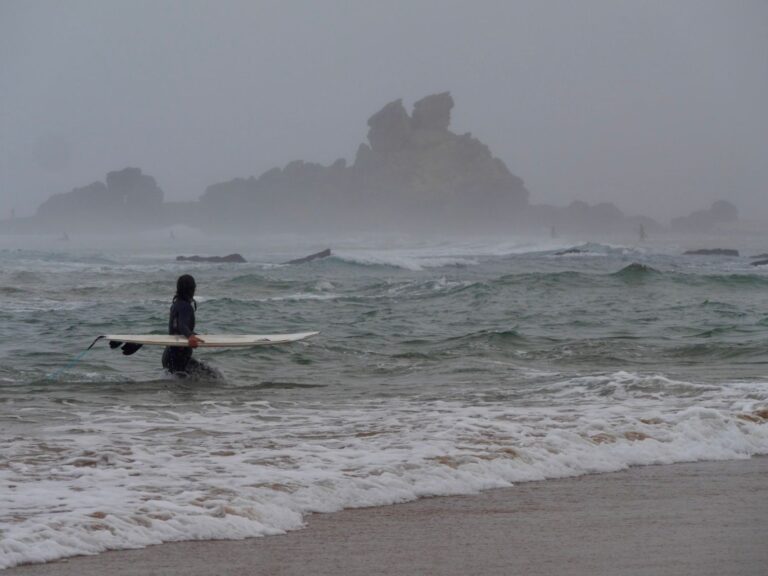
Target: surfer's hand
(194, 341)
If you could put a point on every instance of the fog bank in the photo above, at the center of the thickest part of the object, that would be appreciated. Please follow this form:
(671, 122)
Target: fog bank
(657, 107)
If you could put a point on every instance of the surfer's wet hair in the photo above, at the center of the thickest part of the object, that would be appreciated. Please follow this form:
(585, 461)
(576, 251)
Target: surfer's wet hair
(185, 289)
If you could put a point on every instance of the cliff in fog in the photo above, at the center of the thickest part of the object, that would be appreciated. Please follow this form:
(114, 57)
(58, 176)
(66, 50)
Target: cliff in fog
(128, 199)
(412, 172)
(412, 175)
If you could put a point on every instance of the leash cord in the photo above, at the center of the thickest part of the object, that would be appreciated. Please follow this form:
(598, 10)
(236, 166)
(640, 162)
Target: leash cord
(75, 360)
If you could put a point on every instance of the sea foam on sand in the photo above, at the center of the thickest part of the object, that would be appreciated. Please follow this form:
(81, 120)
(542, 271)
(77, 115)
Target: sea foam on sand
(702, 518)
(128, 477)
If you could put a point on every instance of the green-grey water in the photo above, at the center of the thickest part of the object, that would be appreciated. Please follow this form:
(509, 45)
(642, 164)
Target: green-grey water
(442, 367)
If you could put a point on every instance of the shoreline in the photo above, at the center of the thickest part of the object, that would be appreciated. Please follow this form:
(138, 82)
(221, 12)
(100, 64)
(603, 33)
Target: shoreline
(692, 518)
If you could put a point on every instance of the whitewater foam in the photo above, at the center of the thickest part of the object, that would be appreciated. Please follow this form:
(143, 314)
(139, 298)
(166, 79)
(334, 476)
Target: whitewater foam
(126, 477)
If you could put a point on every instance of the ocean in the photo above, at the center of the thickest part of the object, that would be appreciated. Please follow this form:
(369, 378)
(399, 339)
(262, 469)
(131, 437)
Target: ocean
(444, 366)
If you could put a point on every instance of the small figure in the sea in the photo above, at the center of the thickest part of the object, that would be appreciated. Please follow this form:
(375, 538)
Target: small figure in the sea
(178, 359)
(641, 233)
(553, 232)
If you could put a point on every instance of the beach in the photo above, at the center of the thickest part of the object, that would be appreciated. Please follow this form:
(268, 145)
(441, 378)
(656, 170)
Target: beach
(693, 518)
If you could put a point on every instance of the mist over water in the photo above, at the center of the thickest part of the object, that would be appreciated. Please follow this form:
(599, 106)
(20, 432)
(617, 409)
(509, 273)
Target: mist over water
(442, 367)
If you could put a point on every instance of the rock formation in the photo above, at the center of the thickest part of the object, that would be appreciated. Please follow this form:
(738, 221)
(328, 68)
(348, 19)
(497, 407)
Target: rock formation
(128, 198)
(433, 112)
(569, 251)
(580, 217)
(233, 258)
(706, 220)
(712, 252)
(413, 173)
(389, 129)
(316, 256)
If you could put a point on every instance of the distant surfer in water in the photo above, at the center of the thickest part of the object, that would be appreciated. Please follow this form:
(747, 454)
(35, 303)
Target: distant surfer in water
(178, 359)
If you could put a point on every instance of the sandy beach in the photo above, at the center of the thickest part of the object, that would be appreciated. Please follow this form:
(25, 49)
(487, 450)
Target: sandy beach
(700, 518)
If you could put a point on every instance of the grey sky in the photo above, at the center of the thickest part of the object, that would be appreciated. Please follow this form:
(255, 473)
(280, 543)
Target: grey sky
(658, 106)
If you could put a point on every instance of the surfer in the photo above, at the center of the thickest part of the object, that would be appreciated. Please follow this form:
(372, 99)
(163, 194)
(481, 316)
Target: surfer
(182, 322)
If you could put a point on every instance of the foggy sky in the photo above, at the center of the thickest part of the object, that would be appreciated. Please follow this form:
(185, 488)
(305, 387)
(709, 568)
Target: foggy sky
(659, 106)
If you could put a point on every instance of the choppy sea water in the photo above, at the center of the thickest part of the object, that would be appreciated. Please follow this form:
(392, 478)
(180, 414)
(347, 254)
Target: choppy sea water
(442, 368)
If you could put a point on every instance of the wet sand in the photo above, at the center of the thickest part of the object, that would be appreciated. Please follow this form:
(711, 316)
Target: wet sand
(700, 519)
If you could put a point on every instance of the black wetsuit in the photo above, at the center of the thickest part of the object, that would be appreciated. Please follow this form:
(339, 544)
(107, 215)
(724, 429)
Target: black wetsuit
(181, 322)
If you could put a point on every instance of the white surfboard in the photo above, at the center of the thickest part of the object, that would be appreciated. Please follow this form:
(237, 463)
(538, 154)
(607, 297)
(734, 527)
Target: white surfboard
(210, 340)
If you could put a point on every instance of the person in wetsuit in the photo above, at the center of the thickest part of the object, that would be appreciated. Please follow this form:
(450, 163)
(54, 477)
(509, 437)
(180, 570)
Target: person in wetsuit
(182, 322)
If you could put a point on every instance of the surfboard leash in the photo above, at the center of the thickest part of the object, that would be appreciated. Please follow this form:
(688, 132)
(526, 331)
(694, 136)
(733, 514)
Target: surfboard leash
(75, 360)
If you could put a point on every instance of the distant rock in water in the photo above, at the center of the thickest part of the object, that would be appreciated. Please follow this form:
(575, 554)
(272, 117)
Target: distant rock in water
(581, 217)
(760, 262)
(412, 174)
(720, 212)
(765, 255)
(636, 269)
(316, 256)
(129, 199)
(712, 252)
(570, 251)
(236, 258)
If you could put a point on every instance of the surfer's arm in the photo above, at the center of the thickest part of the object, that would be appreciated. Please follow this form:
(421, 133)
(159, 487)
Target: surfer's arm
(194, 340)
(185, 319)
